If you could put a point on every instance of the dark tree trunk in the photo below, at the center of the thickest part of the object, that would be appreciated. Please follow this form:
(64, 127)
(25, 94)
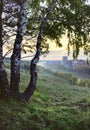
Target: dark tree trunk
(4, 85)
(33, 66)
(16, 56)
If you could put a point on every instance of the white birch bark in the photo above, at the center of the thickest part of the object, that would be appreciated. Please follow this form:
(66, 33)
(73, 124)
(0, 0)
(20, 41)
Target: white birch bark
(16, 56)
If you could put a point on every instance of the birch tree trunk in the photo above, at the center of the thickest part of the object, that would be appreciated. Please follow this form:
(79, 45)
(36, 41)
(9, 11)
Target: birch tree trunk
(16, 56)
(4, 85)
(33, 66)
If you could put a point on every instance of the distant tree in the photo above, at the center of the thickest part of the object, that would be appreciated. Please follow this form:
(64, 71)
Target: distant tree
(26, 19)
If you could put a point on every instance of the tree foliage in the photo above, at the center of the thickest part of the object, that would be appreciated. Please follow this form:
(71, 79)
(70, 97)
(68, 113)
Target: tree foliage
(68, 17)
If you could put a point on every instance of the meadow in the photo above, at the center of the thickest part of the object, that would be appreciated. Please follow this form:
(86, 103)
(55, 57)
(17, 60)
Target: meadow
(61, 101)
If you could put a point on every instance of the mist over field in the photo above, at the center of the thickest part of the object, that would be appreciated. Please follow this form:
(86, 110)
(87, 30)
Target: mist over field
(55, 55)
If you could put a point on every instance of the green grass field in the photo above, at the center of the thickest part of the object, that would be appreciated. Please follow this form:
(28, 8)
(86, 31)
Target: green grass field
(61, 102)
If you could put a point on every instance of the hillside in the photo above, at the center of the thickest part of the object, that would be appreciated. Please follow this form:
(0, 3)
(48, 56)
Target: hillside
(59, 103)
(81, 71)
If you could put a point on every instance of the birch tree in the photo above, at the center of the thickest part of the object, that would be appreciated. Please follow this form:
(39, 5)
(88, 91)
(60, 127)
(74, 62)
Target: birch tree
(13, 88)
(4, 85)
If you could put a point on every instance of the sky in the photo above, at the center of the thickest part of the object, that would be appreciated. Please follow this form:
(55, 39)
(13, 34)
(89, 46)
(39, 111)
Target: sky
(63, 41)
(58, 54)
(88, 1)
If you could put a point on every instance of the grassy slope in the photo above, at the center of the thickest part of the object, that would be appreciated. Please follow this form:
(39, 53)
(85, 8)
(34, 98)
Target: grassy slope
(58, 103)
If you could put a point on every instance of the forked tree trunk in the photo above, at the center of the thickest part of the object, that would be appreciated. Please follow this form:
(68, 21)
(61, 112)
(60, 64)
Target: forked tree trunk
(4, 85)
(16, 56)
(33, 66)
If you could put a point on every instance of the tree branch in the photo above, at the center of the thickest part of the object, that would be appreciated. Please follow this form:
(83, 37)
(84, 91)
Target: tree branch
(33, 66)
